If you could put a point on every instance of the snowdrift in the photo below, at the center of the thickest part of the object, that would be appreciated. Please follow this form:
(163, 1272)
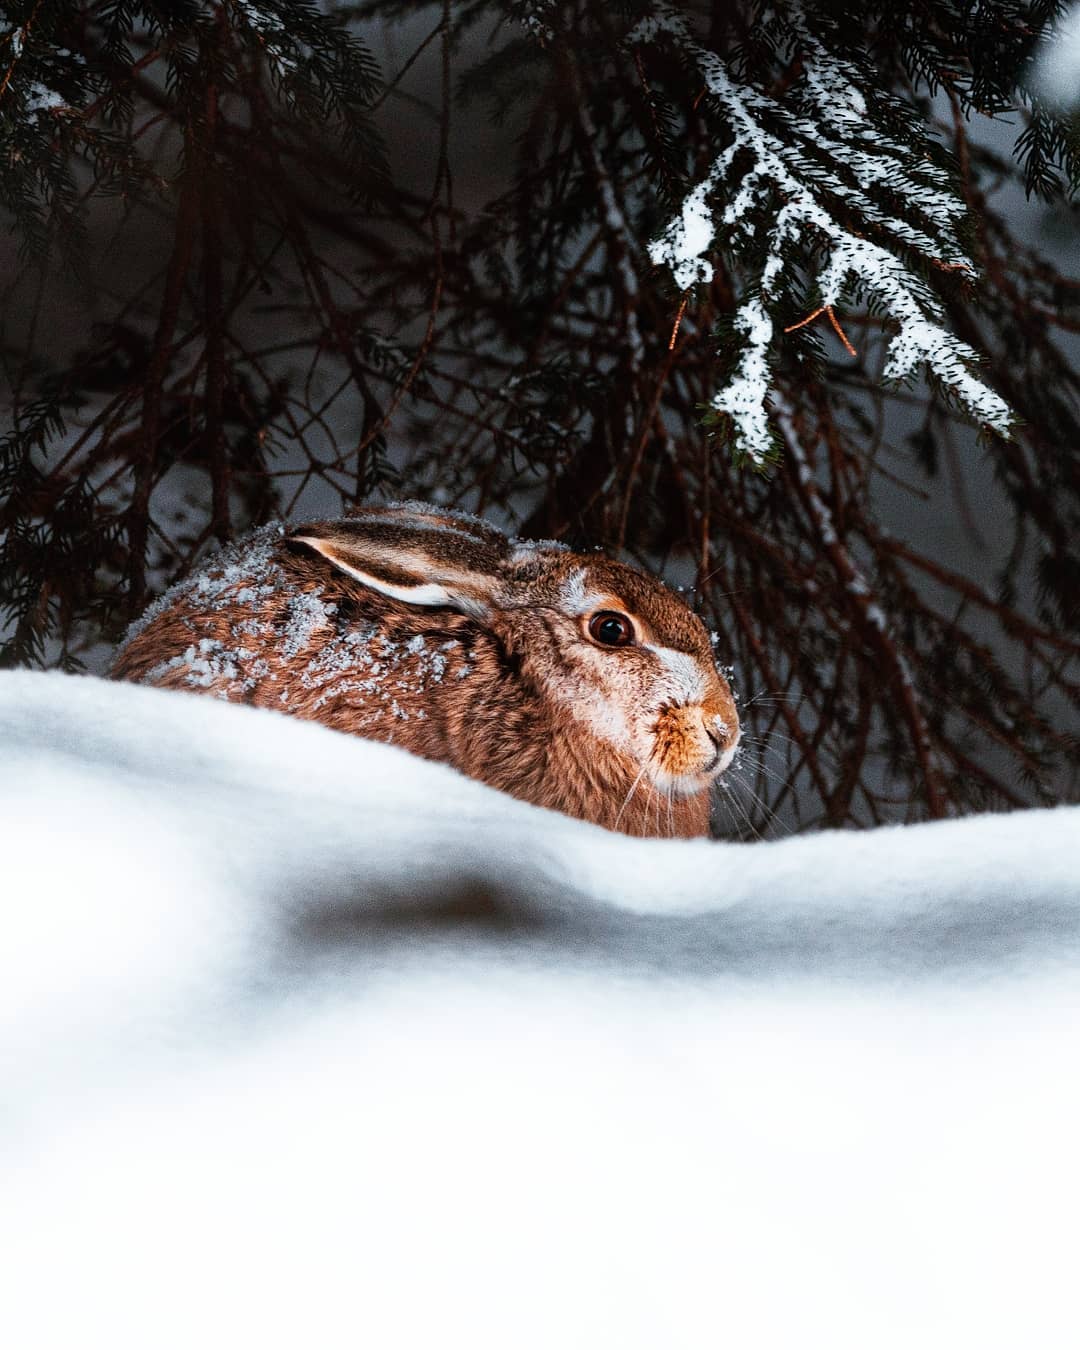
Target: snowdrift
(306, 1041)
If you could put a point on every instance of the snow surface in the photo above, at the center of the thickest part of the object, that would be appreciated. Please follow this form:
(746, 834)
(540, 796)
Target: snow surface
(304, 1041)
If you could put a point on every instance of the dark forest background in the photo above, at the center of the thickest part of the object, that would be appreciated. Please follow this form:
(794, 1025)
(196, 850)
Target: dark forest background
(271, 259)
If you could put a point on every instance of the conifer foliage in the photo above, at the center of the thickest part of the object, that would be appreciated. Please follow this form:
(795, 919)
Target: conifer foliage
(743, 274)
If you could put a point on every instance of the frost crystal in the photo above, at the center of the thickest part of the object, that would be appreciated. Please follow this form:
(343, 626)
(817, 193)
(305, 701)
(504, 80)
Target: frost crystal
(307, 614)
(785, 164)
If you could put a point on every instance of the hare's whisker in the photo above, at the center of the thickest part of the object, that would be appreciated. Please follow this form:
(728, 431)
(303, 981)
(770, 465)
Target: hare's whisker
(729, 804)
(626, 799)
(757, 766)
(771, 818)
(744, 779)
(742, 813)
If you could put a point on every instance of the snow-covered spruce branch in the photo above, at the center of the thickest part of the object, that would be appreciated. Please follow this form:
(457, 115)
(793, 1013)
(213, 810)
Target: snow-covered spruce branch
(762, 174)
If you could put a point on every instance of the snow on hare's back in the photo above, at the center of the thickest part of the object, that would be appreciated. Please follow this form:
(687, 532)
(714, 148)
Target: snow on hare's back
(566, 679)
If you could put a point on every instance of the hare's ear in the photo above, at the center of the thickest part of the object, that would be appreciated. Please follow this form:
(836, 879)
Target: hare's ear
(411, 561)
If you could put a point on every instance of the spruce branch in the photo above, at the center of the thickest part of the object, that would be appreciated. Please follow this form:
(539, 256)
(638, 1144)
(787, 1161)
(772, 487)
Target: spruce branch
(832, 153)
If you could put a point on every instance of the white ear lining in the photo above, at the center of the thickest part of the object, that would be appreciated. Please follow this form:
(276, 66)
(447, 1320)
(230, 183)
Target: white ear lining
(429, 594)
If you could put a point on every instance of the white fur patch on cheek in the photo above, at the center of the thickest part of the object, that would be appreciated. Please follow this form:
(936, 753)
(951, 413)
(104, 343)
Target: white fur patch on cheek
(689, 679)
(594, 709)
(606, 721)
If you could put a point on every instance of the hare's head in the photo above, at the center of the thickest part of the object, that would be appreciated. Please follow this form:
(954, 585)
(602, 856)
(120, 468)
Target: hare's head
(605, 646)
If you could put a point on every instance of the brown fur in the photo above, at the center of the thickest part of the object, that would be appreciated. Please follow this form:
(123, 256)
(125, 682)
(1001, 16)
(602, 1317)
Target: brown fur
(501, 680)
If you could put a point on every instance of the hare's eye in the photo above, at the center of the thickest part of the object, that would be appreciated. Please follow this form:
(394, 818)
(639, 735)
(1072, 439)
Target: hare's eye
(611, 629)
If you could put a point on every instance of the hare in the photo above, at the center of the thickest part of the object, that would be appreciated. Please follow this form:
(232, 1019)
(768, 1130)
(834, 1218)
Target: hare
(566, 679)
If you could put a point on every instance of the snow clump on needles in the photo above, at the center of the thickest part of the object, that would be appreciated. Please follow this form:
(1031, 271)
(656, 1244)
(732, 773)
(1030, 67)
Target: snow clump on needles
(826, 149)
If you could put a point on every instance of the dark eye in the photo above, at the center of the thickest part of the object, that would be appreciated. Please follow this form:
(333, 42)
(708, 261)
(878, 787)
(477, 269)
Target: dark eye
(611, 629)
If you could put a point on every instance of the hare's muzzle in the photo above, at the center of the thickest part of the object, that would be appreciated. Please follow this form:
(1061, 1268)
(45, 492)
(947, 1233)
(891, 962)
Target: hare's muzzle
(695, 742)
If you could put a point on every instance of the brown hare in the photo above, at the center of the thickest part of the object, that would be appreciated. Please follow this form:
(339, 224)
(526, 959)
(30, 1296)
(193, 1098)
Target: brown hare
(566, 679)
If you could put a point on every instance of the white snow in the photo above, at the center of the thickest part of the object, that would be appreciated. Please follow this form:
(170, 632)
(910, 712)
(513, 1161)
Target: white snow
(743, 397)
(246, 571)
(40, 98)
(307, 614)
(304, 1041)
(684, 244)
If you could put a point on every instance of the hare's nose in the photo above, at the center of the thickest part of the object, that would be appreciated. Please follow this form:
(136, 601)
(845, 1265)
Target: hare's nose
(724, 739)
(720, 733)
